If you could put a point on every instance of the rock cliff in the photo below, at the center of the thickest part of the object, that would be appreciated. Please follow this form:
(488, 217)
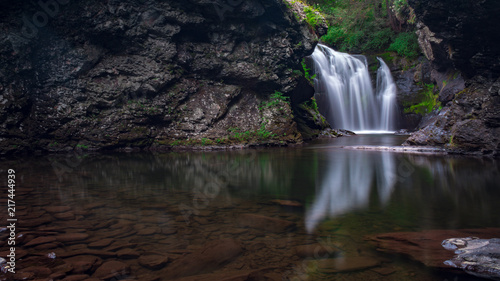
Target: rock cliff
(149, 74)
(461, 40)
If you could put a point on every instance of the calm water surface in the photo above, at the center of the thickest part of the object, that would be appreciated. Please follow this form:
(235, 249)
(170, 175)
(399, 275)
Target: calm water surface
(155, 215)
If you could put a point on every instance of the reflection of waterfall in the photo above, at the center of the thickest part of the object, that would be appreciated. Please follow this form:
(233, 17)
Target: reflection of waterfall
(348, 184)
(345, 94)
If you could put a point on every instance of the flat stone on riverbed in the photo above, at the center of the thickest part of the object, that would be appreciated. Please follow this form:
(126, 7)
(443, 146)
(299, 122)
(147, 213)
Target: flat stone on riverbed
(265, 223)
(57, 209)
(346, 264)
(315, 251)
(71, 237)
(101, 243)
(153, 261)
(111, 269)
(210, 257)
(40, 240)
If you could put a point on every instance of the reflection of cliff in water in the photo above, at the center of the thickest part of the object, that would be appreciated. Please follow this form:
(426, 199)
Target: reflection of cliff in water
(236, 173)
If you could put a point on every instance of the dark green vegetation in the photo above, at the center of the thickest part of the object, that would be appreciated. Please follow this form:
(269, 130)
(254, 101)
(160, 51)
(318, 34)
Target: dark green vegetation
(369, 25)
(428, 98)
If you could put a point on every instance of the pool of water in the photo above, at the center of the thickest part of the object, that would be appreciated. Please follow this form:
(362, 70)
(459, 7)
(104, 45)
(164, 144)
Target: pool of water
(241, 214)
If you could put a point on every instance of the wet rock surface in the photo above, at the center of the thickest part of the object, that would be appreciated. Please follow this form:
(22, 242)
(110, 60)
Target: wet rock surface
(469, 124)
(426, 246)
(124, 75)
(479, 257)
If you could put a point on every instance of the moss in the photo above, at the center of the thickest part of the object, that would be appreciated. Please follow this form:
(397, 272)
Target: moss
(82, 146)
(429, 101)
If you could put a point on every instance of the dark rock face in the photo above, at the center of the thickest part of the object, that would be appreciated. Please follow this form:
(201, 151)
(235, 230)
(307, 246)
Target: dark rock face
(461, 41)
(470, 124)
(125, 74)
(460, 34)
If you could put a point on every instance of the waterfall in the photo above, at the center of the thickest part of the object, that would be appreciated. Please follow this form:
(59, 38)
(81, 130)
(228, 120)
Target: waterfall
(345, 94)
(386, 93)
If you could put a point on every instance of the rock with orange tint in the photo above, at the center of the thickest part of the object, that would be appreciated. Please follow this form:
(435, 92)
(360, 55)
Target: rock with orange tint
(425, 246)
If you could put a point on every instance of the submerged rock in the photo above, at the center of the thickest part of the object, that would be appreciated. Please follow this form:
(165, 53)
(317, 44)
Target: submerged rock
(315, 251)
(210, 257)
(345, 264)
(265, 223)
(111, 269)
(479, 257)
(425, 246)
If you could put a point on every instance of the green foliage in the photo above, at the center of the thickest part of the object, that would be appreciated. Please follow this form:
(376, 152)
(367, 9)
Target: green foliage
(358, 26)
(311, 104)
(369, 25)
(81, 146)
(379, 39)
(276, 99)
(429, 101)
(307, 73)
(205, 141)
(246, 136)
(406, 44)
(313, 16)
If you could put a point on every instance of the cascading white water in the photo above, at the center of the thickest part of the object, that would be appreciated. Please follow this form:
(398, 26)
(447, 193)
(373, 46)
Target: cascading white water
(386, 93)
(345, 95)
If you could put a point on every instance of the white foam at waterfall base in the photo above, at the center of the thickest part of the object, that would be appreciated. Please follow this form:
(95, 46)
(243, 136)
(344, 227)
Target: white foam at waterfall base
(345, 94)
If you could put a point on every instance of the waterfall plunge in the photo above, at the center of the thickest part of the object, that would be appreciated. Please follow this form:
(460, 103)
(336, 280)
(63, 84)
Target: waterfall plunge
(345, 94)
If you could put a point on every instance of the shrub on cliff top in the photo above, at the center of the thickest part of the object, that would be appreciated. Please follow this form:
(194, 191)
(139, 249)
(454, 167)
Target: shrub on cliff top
(406, 44)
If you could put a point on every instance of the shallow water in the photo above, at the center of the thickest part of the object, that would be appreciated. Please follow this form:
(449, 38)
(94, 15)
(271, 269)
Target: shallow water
(167, 207)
